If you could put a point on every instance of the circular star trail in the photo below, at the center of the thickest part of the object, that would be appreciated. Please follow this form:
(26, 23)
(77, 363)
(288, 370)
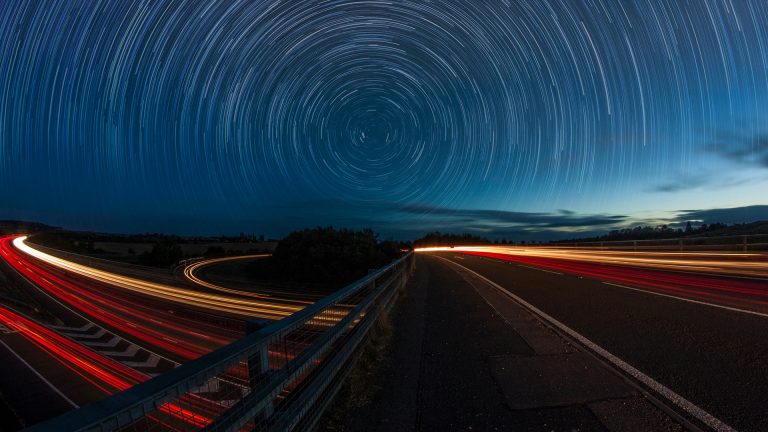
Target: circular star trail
(445, 104)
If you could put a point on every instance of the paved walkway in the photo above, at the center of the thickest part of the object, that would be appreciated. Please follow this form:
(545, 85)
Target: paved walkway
(465, 357)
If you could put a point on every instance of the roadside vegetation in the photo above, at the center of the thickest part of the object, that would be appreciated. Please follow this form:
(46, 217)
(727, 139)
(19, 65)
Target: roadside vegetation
(444, 239)
(661, 232)
(327, 257)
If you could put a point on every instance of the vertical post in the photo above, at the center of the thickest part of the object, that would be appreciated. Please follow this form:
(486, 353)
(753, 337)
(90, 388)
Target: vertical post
(634, 245)
(680, 244)
(744, 243)
(258, 364)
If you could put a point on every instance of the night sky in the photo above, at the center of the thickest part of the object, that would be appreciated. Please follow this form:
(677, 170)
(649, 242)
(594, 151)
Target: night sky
(504, 118)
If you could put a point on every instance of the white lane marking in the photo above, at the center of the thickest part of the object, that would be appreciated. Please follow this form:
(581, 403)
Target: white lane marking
(540, 269)
(150, 362)
(53, 387)
(6, 330)
(73, 311)
(108, 344)
(703, 416)
(85, 327)
(130, 351)
(690, 300)
(100, 333)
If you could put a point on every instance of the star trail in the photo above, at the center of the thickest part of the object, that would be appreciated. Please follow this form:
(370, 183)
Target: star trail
(225, 116)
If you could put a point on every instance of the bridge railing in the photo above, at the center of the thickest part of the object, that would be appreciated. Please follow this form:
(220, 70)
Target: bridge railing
(741, 243)
(281, 376)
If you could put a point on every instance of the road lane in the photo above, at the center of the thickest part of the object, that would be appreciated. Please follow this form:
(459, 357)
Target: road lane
(716, 358)
(741, 264)
(745, 293)
(227, 304)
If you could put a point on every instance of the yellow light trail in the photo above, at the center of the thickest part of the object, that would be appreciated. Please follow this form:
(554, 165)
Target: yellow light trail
(752, 264)
(189, 273)
(247, 307)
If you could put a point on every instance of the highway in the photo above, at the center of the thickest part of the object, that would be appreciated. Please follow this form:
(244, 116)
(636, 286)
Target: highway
(689, 328)
(104, 332)
(693, 323)
(736, 280)
(239, 305)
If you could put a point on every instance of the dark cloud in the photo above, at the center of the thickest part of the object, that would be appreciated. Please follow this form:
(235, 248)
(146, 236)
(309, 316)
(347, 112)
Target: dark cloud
(743, 149)
(414, 220)
(410, 221)
(726, 215)
(686, 182)
(680, 183)
(521, 220)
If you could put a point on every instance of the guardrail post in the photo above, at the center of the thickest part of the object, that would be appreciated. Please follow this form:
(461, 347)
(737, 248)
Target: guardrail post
(680, 244)
(258, 364)
(744, 243)
(634, 245)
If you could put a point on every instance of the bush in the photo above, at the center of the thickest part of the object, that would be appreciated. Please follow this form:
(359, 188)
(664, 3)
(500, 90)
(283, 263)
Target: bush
(330, 256)
(163, 254)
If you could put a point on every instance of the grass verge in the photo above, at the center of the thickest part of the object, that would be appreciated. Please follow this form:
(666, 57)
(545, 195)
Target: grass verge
(360, 388)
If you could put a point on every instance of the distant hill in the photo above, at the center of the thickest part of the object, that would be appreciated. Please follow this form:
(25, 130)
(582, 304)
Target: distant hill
(23, 227)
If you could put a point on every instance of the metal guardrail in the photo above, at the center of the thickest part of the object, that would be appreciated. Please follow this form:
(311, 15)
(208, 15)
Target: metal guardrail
(281, 376)
(743, 243)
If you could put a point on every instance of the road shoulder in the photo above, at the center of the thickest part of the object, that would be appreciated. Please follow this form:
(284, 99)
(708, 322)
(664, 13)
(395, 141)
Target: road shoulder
(464, 356)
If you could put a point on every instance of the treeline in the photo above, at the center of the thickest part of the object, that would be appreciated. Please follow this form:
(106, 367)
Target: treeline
(661, 232)
(22, 227)
(445, 239)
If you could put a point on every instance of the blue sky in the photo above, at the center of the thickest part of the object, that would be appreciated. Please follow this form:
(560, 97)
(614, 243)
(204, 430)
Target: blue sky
(199, 117)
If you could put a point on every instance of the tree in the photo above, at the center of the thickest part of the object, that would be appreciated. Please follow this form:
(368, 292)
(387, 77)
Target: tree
(330, 256)
(163, 254)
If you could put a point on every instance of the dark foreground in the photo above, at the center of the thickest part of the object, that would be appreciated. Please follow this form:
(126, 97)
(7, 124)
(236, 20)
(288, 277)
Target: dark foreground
(464, 357)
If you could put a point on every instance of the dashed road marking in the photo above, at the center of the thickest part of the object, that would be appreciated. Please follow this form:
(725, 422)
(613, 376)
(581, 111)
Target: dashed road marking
(540, 269)
(150, 362)
(93, 337)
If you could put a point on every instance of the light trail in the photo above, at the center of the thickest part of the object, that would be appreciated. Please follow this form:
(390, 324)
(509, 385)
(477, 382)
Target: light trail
(102, 372)
(735, 264)
(191, 269)
(236, 305)
(707, 282)
(128, 317)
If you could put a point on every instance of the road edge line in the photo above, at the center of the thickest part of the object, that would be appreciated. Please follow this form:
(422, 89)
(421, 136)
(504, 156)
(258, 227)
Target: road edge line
(50, 384)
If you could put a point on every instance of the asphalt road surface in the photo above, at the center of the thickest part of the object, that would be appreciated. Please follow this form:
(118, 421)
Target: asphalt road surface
(714, 357)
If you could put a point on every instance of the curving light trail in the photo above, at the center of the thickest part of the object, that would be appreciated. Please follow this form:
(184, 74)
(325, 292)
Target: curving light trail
(102, 372)
(236, 305)
(191, 269)
(183, 339)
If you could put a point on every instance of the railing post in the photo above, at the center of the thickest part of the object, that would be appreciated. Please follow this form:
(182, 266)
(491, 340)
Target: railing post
(744, 243)
(258, 364)
(680, 244)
